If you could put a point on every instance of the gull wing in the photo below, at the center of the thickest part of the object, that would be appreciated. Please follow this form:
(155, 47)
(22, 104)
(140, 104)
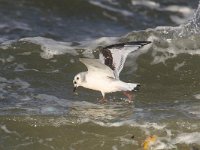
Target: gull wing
(114, 56)
(94, 65)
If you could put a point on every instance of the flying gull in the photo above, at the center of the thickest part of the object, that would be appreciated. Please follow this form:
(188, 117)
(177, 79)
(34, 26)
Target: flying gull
(103, 73)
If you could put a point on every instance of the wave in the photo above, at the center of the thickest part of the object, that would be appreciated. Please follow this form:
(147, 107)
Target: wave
(166, 136)
(37, 71)
(171, 41)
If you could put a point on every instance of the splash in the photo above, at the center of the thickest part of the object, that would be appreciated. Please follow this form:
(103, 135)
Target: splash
(193, 26)
(169, 42)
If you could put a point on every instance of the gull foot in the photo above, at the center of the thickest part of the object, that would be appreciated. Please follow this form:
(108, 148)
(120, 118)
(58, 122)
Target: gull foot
(130, 96)
(102, 101)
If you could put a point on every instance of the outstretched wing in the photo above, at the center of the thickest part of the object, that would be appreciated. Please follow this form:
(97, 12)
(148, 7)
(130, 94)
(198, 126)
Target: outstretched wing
(114, 56)
(95, 66)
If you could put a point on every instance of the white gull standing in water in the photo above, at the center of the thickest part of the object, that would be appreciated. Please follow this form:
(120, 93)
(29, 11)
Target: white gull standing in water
(103, 73)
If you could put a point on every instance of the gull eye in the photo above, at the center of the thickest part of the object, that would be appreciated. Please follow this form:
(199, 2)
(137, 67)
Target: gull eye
(77, 78)
(74, 82)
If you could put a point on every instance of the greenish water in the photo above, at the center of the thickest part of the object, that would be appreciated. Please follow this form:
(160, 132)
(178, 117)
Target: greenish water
(41, 43)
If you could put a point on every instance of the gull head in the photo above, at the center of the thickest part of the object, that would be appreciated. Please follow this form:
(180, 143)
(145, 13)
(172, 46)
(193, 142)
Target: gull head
(78, 80)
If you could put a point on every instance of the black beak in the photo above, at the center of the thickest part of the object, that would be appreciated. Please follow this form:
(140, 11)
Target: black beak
(74, 90)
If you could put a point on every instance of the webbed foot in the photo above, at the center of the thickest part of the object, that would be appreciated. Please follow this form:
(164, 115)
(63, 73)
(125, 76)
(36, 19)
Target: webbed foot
(103, 101)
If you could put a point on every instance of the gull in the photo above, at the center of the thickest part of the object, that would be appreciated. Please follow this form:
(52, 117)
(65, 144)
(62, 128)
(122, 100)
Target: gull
(103, 73)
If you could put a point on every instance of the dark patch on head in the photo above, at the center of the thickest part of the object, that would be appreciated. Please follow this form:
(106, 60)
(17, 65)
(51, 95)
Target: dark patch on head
(83, 79)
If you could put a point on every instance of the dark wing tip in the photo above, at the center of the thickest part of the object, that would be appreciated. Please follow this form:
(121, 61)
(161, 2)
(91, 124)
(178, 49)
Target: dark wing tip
(108, 58)
(119, 45)
(142, 43)
(137, 88)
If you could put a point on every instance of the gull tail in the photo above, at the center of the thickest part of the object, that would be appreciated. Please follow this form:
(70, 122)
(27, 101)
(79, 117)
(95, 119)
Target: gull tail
(134, 87)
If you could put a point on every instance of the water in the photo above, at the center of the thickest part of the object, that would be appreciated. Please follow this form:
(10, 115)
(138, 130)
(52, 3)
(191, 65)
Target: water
(41, 42)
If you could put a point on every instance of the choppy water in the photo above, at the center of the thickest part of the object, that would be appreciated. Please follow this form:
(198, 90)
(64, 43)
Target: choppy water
(41, 42)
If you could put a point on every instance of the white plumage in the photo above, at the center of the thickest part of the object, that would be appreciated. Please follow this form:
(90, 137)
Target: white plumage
(103, 73)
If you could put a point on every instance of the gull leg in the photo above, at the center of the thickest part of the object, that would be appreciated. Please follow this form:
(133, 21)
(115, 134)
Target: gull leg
(130, 96)
(103, 100)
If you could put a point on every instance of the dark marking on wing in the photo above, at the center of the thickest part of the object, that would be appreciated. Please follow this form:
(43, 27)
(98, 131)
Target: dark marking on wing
(108, 59)
(120, 45)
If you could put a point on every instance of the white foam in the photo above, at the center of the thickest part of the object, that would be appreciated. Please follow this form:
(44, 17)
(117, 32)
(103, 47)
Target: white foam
(25, 53)
(171, 48)
(5, 129)
(197, 96)
(143, 126)
(179, 65)
(161, 145)
(6, 43)
(185, 11)
(114, 147)
(91, 112)
(10, 58)
(90, 46)
(112, 9)
(151, 125)
(49, 110)
(177, 19)
(124, 140)
(188, 138)
(51, 47)
(150, 4)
